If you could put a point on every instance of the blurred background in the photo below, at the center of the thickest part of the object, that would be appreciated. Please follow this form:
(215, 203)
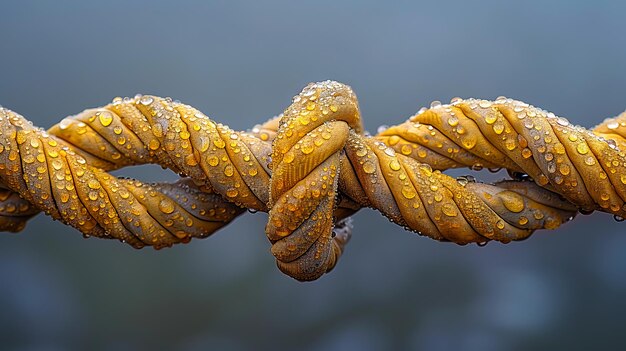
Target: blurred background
(240, 63)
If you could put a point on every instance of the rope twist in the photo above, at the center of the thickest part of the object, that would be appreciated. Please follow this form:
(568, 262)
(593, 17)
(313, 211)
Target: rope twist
(310, 169)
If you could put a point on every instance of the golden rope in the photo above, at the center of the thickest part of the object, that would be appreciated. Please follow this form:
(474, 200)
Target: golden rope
(309, 168)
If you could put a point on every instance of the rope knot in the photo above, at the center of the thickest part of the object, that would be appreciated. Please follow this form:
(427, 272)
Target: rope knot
(306, 155)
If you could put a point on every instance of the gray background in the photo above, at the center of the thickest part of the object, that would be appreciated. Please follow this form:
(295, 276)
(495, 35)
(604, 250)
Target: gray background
(241, 63)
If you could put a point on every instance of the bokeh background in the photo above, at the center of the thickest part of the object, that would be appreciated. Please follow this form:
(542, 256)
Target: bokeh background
(241, 62)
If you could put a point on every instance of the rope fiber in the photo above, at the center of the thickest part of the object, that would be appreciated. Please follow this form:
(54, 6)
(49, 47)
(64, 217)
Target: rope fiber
(310, 169)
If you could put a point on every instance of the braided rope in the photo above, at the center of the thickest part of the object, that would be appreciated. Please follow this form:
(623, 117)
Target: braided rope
(309, 168)
(587, 168)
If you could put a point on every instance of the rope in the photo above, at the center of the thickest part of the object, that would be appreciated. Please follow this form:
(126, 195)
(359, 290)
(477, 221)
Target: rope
(310, 169)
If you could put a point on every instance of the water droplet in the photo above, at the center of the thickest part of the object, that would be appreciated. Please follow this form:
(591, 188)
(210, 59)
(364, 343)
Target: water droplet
(449, 210)
(498, 128)
(513, 202)
(390, 152)
(453, 121)
(105, 118)
(166, 206)
(57, 164)
(229, 171)
(154, 144)
(484, 104)
(408, 193)
(455, 100)
(582, 148)
(369, 167)
(406, 149)
(491, 118)
(394, 165)
(289, 157)
(562, 121)
(469, 142)
(509, 144)
(307, 148)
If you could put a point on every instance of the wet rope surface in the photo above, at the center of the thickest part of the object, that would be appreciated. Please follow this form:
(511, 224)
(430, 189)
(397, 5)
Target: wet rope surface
(310, 169)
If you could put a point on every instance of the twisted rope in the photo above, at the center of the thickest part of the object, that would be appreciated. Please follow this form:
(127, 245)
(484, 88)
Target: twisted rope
(309, 168)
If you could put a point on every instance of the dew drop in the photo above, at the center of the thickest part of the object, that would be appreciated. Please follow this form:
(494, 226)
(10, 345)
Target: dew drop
(213, 161)
(491, 118)
(408, 193)
(289, 157)
(146, 100)
(562, 121)
(406, 149)
(229, 171)
(57, 164)
(498, 128)
(307, 148)
(166, 206)
(394, 165)
(105, 118)
(362, 151)
(484, 104)
(449, 210)
(368, 167)
(154, 144)
(453, 121)
(500, 224)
